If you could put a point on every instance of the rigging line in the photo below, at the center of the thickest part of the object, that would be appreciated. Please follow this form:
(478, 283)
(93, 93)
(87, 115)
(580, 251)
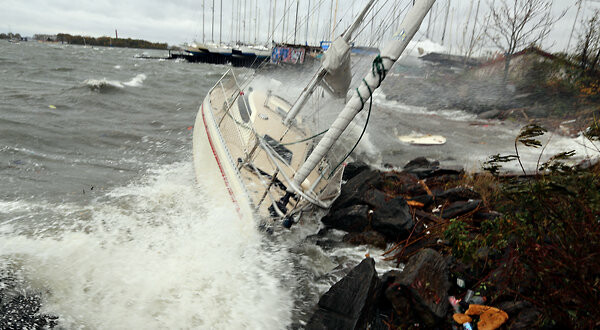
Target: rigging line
(312, 11)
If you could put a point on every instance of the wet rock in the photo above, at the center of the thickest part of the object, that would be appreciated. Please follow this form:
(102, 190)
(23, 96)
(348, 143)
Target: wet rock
(402, 183)
(522, 314)
(490, 114)
(420, 291)
(349, 303)
(492, 215)
(353, 218)
(421, 167)
(368, 237)
(353, 169)
(457, 194)
(393, 219)
(353, 191)
(459, 208)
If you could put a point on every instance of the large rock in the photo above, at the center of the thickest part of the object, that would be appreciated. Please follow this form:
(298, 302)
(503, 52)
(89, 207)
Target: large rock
(349, 303)
(420, 291)
(353, 192)
(393, 219)
(353, 169)
(459, 208)
(353, 218)
(421, 167)
(457, 194)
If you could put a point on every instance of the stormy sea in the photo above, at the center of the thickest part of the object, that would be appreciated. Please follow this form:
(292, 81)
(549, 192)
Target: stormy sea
(104, 225)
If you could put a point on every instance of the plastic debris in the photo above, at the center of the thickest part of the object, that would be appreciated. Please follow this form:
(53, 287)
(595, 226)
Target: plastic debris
(51, 106)
(460, 282)
(490, 318)
(461, 318)
(415, 204)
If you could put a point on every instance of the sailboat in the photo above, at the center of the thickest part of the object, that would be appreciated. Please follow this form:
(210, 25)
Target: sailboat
(267, 158)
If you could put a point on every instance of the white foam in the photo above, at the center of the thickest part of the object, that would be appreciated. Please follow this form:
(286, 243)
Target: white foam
(102, 83)
(136, 81)
(155, 255)
(380, 98)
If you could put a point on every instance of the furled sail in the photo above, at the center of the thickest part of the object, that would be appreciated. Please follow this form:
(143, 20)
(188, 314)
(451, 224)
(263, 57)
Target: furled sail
(336, 62)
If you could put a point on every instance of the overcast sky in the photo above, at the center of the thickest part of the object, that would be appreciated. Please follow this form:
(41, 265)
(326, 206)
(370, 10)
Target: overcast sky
(178, 21)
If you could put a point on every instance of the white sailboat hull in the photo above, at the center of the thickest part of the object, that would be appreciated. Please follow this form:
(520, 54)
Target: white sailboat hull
(212, 161)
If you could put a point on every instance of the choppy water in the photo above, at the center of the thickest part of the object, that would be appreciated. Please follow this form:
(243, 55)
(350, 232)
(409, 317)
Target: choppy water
(100, 212)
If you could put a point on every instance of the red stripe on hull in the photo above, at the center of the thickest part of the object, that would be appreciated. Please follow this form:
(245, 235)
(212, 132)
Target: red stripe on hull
(210, 142)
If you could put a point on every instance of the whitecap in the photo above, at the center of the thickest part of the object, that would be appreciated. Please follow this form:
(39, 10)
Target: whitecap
(136, 81)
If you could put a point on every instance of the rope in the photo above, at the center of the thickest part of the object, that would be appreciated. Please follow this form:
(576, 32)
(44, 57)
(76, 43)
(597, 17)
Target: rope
(377, 69)
(303, 140)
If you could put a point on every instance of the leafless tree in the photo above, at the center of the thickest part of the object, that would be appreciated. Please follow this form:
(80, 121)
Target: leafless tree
(515, 24)
(588, 47)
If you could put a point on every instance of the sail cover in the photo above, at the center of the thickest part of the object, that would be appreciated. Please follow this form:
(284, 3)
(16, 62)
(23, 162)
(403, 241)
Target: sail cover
(337, 63)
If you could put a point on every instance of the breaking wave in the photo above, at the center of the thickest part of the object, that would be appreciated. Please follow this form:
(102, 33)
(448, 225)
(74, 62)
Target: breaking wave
(104, 85)
(157, 254)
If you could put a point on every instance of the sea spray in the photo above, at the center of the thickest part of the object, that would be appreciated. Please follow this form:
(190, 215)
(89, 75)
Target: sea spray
(154, 255)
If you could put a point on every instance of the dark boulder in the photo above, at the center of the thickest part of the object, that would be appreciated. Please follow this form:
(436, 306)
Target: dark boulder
(402, 183)
(459, 208)
(353, 169)
(393, 219)
(368, 237)
(353, 218)
(349, 303)
(457, 194)
(353, 192)
(421, 167)
(420, 291)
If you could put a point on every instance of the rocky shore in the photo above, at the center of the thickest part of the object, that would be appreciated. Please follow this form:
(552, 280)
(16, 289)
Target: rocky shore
(407, 212)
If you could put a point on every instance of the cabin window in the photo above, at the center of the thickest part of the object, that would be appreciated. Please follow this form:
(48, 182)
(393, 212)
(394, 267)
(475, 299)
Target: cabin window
(285, 153)
(245, 111)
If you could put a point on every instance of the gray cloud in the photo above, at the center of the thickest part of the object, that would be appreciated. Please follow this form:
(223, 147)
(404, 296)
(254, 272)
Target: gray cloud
(178, 21)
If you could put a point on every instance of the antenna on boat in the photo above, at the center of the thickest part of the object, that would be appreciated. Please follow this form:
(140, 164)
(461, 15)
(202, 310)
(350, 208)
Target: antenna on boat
(381, 65)
(318, 77)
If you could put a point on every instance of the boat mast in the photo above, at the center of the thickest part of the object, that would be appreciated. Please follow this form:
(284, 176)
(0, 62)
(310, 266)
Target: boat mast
(389, 55)
(334, 21)
(256, 21)
(296, 21)
(274, 20)
(221, 23)
(307, 22)
(307, 92)
(212, 33)
(231, 34)
(446, 22)
(330, 20)
(203, 22)
(284, 16)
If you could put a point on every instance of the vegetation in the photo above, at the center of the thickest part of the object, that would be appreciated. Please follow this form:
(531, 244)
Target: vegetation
(10, 35)
(545, 248)
(109, 42)
(519, 23)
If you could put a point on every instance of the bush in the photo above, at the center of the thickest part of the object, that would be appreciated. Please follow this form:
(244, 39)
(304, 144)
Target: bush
(545, 248)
